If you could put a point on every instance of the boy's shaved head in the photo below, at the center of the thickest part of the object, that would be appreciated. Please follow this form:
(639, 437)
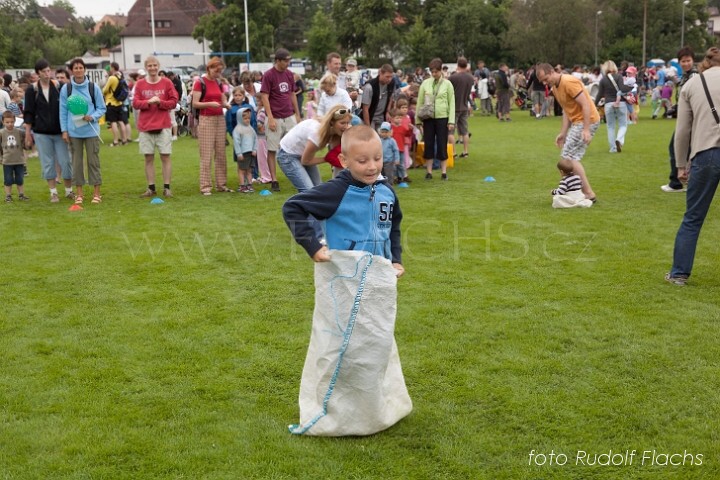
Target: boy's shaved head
(358, 133)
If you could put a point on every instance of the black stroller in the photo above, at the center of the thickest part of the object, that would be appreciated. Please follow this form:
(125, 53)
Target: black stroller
(522, 99)
(181, 117)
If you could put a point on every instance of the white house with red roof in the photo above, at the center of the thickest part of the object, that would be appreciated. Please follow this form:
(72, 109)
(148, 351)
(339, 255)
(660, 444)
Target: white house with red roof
(173, 42)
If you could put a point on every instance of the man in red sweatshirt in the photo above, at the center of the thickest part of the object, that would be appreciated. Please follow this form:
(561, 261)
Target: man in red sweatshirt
(155, 99)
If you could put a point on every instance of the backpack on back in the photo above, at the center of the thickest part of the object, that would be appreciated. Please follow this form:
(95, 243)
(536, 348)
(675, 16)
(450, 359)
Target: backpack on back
(491, 84)
(122, 90)
(91, 90)
(203, 88)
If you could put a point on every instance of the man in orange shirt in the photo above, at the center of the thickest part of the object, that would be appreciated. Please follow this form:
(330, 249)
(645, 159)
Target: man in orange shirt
(580, 118)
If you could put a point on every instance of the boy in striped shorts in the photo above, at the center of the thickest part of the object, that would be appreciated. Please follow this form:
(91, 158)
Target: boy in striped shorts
(580, 119)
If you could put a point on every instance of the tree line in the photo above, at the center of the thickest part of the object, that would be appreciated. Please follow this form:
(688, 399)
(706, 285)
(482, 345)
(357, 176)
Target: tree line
(402, 32)
(411, 32)
(25, 37)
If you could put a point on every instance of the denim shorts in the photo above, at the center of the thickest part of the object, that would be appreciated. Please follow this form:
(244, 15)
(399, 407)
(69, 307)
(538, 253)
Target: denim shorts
(14, 174)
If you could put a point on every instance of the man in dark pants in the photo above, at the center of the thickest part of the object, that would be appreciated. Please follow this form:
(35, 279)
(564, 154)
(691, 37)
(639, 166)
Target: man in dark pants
(685, 57)
(463, 83)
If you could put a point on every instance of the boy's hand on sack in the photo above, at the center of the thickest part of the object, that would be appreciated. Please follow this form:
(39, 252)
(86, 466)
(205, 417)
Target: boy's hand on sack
(322, 255)
(399, 270)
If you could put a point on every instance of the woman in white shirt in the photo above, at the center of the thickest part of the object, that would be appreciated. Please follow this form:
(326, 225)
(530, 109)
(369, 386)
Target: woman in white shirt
(300, 145)
(332, 95)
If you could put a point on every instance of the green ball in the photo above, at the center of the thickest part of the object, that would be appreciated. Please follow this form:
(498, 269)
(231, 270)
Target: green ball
(77, 105)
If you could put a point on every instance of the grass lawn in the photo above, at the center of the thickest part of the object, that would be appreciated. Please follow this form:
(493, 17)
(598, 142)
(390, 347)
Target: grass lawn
(143, 341)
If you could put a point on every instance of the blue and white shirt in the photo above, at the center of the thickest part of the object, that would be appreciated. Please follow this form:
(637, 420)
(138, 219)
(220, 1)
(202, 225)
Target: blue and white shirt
(357, 216)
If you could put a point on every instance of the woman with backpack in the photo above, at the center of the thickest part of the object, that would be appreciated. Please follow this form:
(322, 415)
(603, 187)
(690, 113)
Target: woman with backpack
(82, 131)
(209, 100)
(610, 95)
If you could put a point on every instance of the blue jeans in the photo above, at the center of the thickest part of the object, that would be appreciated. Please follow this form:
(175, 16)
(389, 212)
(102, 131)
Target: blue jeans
(616, 116)
(704, 179)
(51, 149)
(302, 177)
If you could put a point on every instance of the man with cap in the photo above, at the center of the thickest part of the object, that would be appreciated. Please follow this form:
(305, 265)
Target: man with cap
(278, 98)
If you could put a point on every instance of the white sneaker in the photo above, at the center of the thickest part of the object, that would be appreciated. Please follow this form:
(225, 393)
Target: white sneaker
(174, 138)
(54, 198)
(669, 189)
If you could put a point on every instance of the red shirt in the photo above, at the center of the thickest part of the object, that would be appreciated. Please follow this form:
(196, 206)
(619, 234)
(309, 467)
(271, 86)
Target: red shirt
(403, 133)
(154, 116)
(280, 87)
(213, 93)
(333, 157)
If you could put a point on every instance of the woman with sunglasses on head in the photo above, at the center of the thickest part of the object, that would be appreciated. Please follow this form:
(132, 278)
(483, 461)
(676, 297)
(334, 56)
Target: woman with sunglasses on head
(298, 149)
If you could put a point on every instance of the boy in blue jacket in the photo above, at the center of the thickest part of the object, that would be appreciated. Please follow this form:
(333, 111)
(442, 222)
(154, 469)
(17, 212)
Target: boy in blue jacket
(360, 210)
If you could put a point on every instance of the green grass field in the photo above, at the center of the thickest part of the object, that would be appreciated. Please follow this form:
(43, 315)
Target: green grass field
(143, 341)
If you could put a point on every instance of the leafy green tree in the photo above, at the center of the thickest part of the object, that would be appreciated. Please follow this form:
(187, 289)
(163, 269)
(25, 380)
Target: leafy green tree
(4, 47)
(472, 28)
(65, 5)
(408, 10)
(27, 42)
(19, 9)
(353, 20)
(552, 31)
(61, 48)
(108, 36)
(419, 44)
(87, 23)
(321, 38)
(381, 41)
(292, 32)
(225, 29)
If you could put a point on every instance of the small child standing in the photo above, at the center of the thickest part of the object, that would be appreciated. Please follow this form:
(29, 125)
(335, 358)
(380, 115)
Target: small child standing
(569, 193)
(13, 161)
(245, 143)
(311, 105)
(403, 134)
(665, 99)
(15, 105)
(485, 98)
(391, 152)
(231, 115)
(263, 169)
